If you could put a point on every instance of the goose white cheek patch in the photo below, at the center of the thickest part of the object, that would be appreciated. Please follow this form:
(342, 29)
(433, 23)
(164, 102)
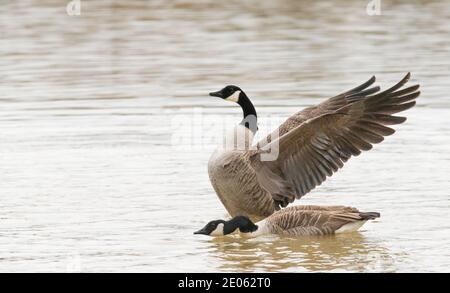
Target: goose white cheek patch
(218, 231)
(234, 97)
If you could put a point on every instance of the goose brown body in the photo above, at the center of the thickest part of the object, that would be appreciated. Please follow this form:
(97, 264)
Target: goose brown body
(314, 220)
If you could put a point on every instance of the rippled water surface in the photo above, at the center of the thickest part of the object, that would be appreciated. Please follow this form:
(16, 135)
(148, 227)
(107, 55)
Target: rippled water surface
(106, 129)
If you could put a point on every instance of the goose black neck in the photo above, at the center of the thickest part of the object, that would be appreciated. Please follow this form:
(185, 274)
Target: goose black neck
(250, 117)
(246, 105)
(244, 224)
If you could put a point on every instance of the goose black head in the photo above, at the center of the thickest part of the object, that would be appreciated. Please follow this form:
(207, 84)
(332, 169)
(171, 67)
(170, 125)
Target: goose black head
(229, 93)
(220, 227)
(235, 94)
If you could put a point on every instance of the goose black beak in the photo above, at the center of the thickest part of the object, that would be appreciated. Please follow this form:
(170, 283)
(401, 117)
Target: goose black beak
(201, 231)
(216, 94)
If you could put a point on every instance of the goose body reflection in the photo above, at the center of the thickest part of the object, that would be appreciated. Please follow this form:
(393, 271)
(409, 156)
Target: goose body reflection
(308, 253)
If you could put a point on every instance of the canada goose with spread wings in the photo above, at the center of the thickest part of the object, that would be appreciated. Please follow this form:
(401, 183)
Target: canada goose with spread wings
(312, 145)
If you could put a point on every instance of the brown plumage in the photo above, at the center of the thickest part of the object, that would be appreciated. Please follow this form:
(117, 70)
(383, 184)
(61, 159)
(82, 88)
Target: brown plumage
(313, 144)
(314, 220)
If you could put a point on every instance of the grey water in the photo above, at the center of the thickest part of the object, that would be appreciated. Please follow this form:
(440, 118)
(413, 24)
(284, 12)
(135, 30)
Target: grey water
(106, 128)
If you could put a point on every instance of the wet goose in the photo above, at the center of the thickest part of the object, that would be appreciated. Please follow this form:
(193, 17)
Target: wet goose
(294, 221)
(311, 145)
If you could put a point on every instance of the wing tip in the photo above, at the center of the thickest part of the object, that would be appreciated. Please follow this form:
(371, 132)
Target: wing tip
(401, 119)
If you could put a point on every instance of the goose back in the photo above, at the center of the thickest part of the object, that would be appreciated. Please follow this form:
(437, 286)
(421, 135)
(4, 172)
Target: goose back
(314, 220)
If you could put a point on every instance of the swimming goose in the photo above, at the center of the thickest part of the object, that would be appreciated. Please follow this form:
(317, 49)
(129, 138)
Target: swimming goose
(294, 221)
(311, 145)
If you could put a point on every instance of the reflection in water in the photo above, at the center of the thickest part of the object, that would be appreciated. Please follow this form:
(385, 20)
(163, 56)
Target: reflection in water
(348, 252)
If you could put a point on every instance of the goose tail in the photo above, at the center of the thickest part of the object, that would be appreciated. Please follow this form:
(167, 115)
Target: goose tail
(355, 225)
(369, 215)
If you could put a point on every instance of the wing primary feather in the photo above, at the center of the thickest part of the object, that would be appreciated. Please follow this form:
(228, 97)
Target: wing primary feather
(395, 87)
(406, 98)
(362, 87)
(392, 109)
(383, 119)
(404, 91)
(363, 94)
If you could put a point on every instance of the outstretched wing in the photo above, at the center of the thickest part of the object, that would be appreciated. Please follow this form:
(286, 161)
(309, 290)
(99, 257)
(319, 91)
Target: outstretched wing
(330, 105)
(319, 146)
